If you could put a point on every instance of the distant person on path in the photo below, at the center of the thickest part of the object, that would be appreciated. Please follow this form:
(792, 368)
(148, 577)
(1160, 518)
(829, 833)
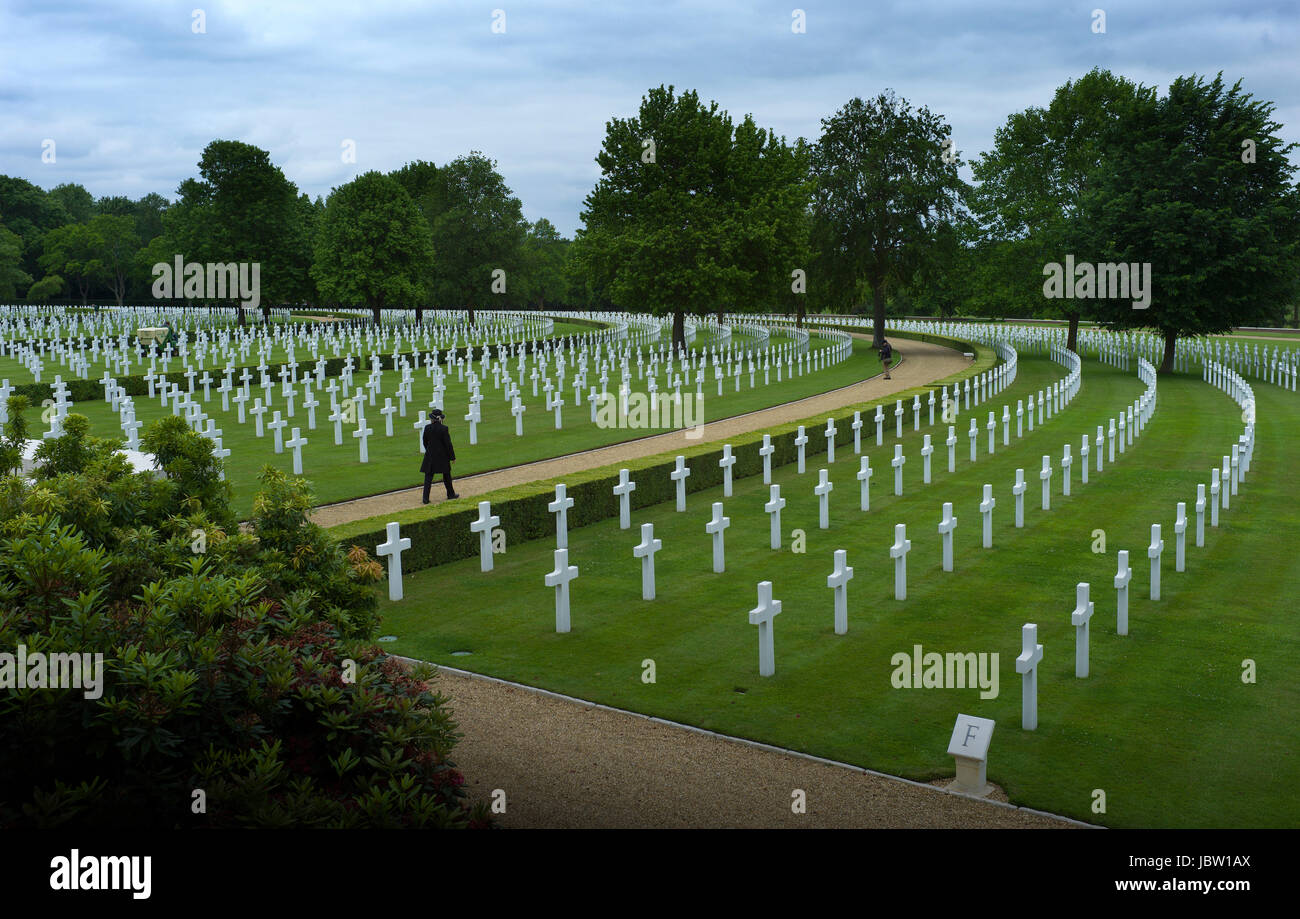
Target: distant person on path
(438, 454)
(886, 355)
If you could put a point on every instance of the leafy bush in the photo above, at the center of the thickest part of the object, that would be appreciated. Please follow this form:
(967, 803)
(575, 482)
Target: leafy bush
(240, 683)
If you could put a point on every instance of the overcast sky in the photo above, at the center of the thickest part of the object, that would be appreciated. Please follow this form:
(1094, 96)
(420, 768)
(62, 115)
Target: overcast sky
(131, 93)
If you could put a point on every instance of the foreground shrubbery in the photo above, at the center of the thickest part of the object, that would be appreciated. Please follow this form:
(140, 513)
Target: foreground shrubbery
(228, 693)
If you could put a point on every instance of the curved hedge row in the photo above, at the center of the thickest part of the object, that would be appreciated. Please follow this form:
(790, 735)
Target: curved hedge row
(440, 533)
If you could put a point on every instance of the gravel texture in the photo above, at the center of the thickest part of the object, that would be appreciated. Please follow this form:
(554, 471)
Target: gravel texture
(918, 363)
(563, 764)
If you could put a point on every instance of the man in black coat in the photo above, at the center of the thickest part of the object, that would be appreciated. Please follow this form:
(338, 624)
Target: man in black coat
(438, 454)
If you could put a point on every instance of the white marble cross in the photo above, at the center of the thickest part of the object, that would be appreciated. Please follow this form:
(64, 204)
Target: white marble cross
(483, 526)
(974, 435)
(838, 580)
(1027, 665)
(800, 440)
(277, 425)
(880, 420)
(993, 432)
(645, 550)
(1006, 426)
(387, 412)
(1083, 609)
(1066, 462)
(295, 443)
(1180, 537)
(1121, 431)
(363, 434)
(897, 462)
(1100, 444)
(1046, 475)
(831, 431)
(1110, 440)
(766, 452)
(559, 579)
(1083, 460)
(560, 508)
(773, 508)
(1225, 480)
(1214, 497)
(419, 426)
(1122, 579)
(623, 490)
(864, 476)
(518, 410)
(1154, 551)
(898, 551)
(393, 548)
(257, 411)
(336, 416)
(946, 527)
(679, 475)
(727, 461)
(986, 509)
(1200, 514)
(898, 419)
(952, 448)
(926, 449)
(823, 491)
(857, 432)
(1020, 418)
(762, 616)
(716, 528)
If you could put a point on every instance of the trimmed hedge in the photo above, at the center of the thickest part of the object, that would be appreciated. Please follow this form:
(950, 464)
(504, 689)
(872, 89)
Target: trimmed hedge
(440, 533)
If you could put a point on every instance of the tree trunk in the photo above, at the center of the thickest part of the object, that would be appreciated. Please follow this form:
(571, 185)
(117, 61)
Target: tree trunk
(266, 314)
(1072, 341)
(374, 312)
(799, 314)
(878, 313)
(419, 315)
(1167, 365)
(679, 330)
(471, 314)
(241, 316)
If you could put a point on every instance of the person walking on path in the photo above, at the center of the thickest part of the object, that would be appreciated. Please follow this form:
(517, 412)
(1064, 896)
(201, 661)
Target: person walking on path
(438, 454)
(886, 355)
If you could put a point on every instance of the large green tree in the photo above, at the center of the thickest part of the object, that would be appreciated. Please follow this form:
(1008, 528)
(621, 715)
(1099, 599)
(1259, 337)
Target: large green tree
(1199, 187)
(691, 214)
(116, 244)
(478, 231)
(885, 183)
(29, 212)
(372, 246)
(545, 252)
(243, 209)
(1031, 183)
(12, 276)
(72, 252)
(76, 200)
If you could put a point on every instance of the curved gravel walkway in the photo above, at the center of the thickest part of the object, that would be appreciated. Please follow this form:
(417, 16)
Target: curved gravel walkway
(566, 764)
(921, 362)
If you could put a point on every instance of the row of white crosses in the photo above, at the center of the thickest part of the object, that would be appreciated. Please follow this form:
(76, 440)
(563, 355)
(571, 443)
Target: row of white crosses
(1224, 483)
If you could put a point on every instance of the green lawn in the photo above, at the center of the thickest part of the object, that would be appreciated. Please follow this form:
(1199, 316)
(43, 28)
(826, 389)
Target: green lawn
(336, 472)
(1164, 724)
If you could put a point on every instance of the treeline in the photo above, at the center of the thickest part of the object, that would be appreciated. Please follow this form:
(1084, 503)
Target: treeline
(1112, 203)
(66, 246)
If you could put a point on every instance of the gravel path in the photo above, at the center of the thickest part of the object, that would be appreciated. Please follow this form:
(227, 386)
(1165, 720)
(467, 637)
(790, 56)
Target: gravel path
(563, 764)
(921, 362)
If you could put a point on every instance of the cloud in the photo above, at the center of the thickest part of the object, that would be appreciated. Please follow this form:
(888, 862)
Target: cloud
(131, 93)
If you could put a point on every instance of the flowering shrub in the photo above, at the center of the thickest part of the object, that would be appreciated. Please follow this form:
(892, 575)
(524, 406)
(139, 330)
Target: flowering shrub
(240, 683)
